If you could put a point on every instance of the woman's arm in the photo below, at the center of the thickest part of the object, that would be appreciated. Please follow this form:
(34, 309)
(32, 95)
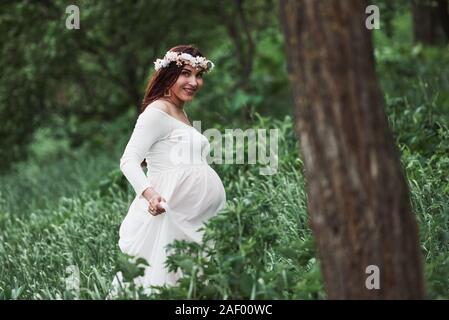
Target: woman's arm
(150, 127)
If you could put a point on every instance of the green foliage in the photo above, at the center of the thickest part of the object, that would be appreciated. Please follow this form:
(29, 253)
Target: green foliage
(75, 79)
(66, 104)
(389, 11)
(258, 247)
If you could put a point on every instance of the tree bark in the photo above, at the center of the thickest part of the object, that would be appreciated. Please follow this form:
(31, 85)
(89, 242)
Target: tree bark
(431, 21)
(443, 12)
(358, 199)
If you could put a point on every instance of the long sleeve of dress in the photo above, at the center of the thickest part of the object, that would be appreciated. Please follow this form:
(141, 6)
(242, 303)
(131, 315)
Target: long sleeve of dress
(150, 127)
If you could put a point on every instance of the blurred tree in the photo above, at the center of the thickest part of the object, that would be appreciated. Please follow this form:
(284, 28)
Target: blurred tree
(358, 198)
(94, 73)
(79, 78)
(245, 23)
(28, 60)
(431, 21)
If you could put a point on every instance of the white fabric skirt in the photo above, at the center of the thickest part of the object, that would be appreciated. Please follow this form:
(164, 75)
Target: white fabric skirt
(193, 194)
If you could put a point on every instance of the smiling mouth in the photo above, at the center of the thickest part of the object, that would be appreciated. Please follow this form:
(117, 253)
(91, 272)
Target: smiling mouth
(190, 91)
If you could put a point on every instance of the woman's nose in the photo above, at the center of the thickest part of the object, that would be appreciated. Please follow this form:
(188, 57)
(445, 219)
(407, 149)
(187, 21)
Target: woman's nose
(193, 81)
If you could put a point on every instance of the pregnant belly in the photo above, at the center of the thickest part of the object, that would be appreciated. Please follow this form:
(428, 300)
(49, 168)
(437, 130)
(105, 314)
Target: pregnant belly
(194, 194)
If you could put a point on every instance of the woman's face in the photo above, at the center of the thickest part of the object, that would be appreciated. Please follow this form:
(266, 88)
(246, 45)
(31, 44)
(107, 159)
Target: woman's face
(188, 83)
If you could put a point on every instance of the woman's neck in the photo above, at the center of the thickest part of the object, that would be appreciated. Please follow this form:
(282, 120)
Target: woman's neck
(176, 103)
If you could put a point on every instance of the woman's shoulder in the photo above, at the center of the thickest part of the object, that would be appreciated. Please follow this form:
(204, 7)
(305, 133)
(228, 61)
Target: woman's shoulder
(156, 114)
(158, 104)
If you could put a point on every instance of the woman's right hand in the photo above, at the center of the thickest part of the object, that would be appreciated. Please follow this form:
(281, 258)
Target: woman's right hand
(155, 201)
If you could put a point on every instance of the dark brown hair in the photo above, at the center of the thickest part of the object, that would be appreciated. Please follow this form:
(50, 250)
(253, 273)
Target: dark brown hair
(164, 78)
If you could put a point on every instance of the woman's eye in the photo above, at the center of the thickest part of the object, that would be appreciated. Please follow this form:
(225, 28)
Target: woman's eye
(199, 75)
(185, 73)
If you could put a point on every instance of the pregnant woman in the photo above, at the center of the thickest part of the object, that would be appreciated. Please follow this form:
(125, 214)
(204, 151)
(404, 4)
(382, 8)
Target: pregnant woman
(180, 190)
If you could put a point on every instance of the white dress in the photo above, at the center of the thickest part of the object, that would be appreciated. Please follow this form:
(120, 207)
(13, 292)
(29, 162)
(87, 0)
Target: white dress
(175, 153)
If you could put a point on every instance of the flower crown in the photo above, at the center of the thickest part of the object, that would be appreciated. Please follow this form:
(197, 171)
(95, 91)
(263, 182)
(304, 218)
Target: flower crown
(195, 62)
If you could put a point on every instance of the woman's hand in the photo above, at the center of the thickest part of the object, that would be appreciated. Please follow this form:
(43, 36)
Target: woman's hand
(155, 207)
(155, 201)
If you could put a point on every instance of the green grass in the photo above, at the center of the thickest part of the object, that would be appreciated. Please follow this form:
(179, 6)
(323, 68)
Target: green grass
(264, 248)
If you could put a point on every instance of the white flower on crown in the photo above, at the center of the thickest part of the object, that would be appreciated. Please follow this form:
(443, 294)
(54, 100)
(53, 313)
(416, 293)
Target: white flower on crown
(170, 55)
(195, 62)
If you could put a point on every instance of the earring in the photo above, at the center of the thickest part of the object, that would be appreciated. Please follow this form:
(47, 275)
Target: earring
(167, 93)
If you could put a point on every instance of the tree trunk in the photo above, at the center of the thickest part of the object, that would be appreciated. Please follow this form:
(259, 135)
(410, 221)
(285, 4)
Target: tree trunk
(358, 199)
(431, 21)
(443, 12)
